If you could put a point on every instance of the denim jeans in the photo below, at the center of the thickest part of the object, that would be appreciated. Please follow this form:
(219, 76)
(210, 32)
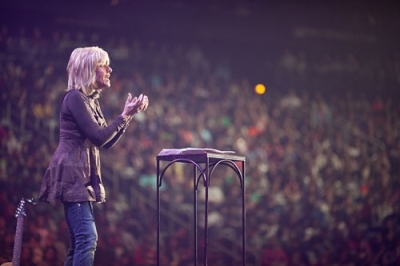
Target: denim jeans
(82, 233)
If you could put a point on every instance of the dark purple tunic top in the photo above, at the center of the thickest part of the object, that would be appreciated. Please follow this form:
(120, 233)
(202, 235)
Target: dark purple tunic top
(73, 174)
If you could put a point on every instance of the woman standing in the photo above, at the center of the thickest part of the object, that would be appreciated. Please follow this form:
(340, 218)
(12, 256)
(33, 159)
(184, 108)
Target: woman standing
(73, 175)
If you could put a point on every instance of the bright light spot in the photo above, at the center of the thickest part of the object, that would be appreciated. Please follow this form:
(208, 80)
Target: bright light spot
(260, 89)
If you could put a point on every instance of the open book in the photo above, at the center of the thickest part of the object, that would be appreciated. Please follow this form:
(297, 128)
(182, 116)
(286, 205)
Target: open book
(192, 151)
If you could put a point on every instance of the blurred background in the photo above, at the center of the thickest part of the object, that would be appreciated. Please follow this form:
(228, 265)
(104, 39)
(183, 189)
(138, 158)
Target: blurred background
(321, 132)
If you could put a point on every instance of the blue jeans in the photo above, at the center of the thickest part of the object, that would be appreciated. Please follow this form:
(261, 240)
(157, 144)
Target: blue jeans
(82, 233)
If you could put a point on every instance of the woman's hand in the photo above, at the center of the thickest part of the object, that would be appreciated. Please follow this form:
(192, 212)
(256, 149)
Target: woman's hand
(135, 105)
(144, 100)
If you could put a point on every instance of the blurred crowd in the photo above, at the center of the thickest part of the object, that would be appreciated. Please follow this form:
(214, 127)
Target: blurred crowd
(322, 167)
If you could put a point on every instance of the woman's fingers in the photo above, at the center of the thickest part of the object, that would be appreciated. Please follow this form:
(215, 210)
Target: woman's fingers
(145, 103)
(129, 98)
(137, 104)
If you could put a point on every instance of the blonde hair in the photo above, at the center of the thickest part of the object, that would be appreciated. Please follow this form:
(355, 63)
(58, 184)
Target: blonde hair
(82, 68)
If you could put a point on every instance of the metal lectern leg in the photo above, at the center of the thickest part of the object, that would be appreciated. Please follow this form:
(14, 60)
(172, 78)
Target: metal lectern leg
(158, 212)
(195, 254)
(206, 183)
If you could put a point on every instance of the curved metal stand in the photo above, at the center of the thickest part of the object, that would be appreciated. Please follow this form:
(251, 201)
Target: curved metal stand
(210, 161)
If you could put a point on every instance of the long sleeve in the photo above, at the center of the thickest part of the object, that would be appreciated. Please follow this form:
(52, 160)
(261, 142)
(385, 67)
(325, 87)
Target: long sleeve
(115, 139)
(90, 123)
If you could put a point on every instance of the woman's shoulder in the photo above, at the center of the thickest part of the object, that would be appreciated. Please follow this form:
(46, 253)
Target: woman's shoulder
(75, 95)
(74, 98)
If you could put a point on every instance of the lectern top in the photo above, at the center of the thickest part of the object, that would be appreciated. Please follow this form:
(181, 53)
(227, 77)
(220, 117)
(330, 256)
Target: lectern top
(198, 155)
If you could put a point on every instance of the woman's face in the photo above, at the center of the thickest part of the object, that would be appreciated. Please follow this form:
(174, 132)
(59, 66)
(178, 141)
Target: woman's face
(103, 73)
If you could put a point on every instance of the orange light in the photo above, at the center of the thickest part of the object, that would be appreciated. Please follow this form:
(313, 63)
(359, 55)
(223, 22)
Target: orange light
(260, 88)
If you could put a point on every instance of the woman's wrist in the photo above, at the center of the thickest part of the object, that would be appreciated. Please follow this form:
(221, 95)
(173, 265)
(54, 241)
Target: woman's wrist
(126, 117)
